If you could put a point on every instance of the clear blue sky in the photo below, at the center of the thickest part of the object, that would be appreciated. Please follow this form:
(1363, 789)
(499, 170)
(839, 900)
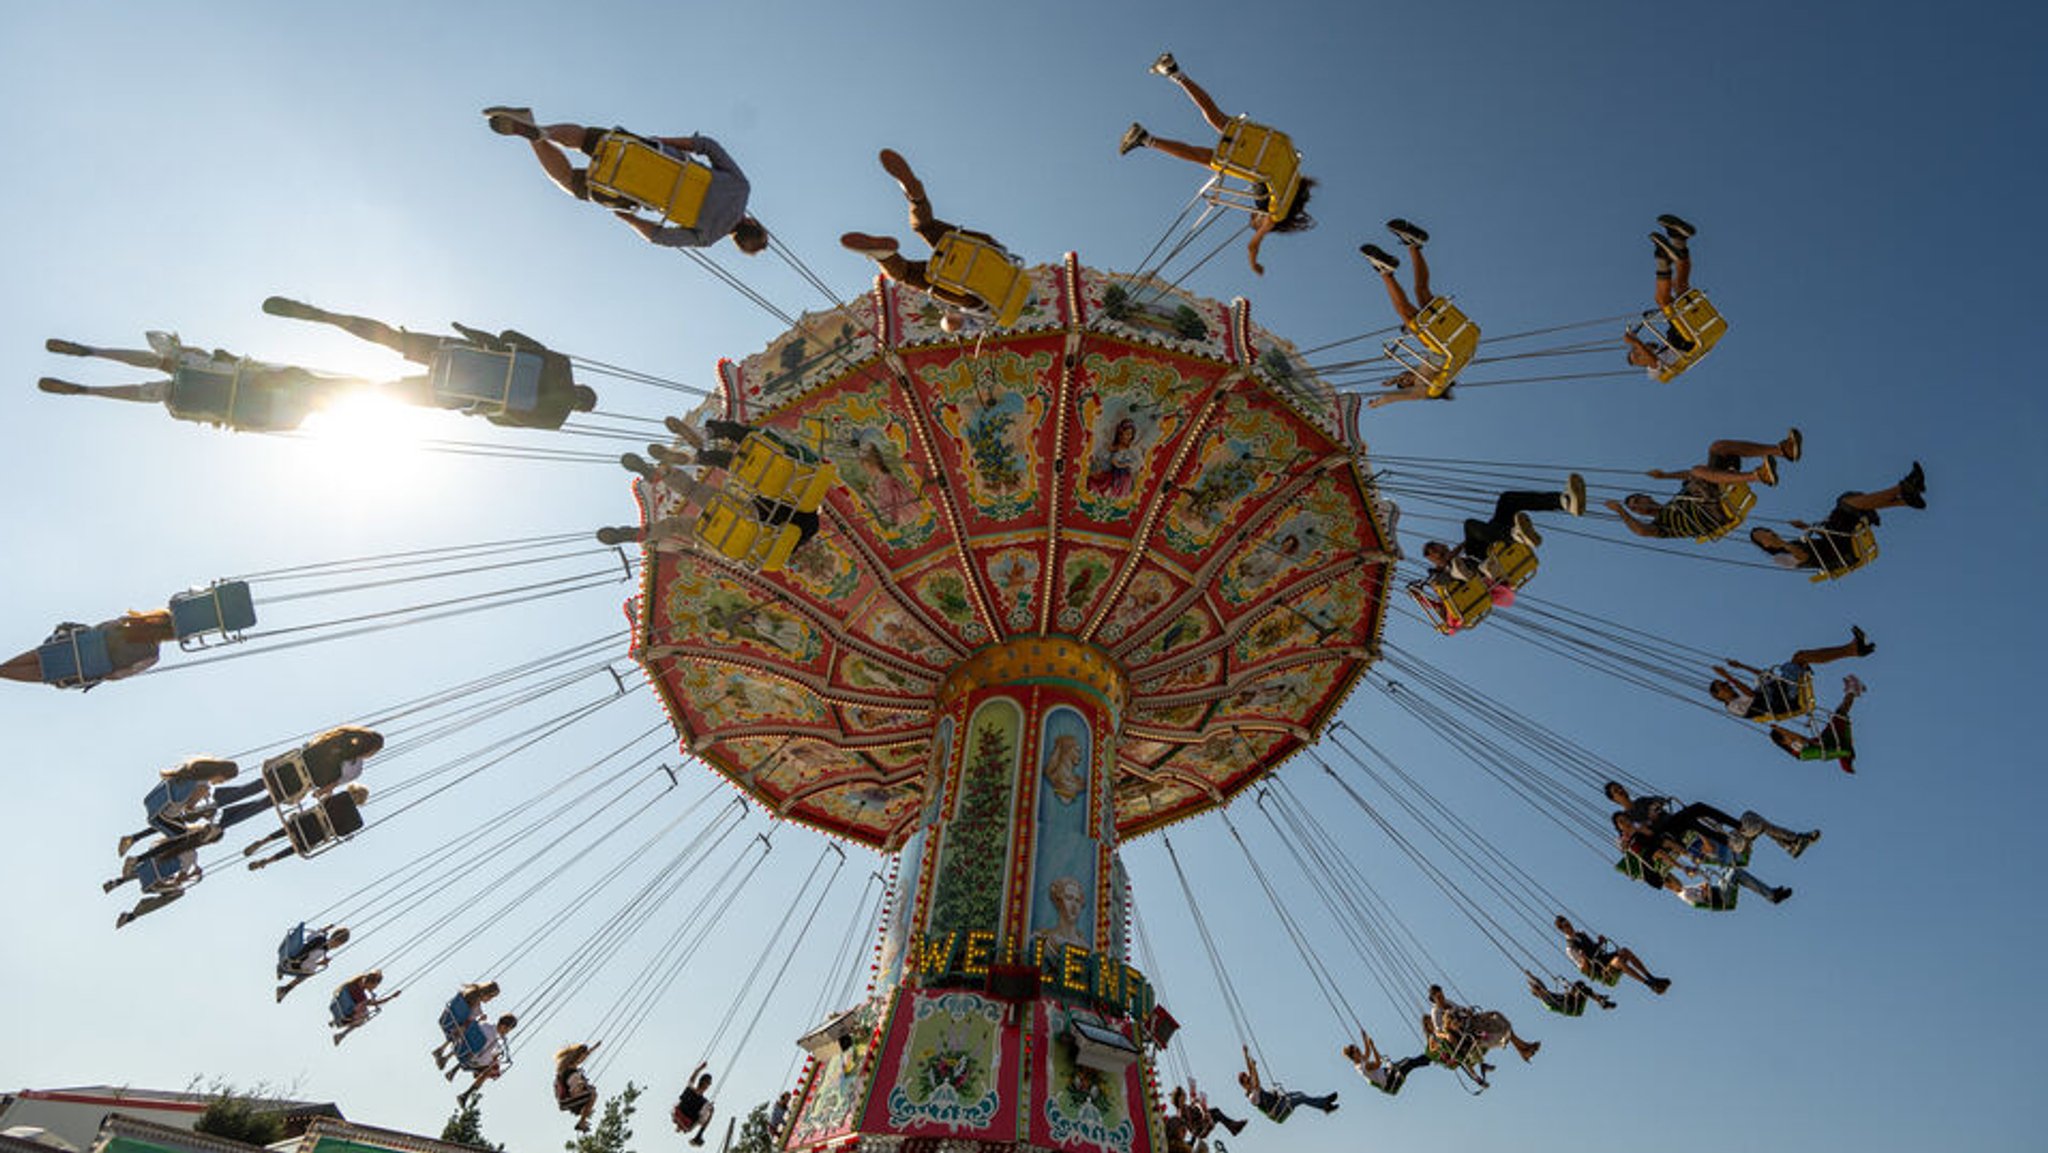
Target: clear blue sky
(1866, 183)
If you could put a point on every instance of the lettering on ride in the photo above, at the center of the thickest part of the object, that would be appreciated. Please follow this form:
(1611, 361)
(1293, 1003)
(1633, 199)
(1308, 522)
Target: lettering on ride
(1068, 972)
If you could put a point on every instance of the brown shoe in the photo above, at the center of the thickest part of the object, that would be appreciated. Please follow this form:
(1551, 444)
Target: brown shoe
(899, 168)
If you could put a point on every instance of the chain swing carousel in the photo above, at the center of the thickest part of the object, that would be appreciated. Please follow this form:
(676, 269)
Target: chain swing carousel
(1083, 577)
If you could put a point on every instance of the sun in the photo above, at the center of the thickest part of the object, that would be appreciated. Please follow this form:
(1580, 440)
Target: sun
(366, 444)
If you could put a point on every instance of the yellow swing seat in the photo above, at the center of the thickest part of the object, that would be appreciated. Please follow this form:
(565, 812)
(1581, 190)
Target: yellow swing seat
(1834, 562)
(1691, 316)
(1262, 159)
(626, 166)
(1801, 705)
(1736, 501)
(1447, 340)
(730, 528)
(1461, 604)
(969, 264)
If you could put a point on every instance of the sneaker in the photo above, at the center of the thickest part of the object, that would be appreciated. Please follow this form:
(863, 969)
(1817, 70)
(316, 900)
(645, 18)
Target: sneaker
(875, 246)
(1853, 685)
(122, 920)
(285, 306)
(121, 850)
(1659, 984)
(899, 170)
(1675, 228)
(1767, 472)
(51, 384)
(1463, 568)
(634, 462)
(1666, 247)
(1235, 1126)
(684, 431)
(1575, 494)
(1134, 137)
(1525, 531)
(1408, 232)
(1864, 647)
(1801, 843)
(615, 535)
(1910, 497)
(110, 886)
(66, 347)
(1792, 445)
(1779, 894)
(1380, 258)
(698, 1139)
(1166, 65)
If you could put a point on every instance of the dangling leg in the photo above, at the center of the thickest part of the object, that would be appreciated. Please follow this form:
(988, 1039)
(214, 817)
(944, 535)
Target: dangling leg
(149, 392)
(416, 347)
(135, 357)
(147, 906)
(1166, 67)
(1857, 646)
(1626, 960)
(1754, 825)
(1385, 264)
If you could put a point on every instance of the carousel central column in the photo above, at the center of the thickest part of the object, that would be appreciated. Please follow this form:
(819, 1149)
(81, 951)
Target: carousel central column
(1004, 1009)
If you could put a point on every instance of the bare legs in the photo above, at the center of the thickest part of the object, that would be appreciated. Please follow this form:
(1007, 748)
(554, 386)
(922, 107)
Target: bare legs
(416, 347)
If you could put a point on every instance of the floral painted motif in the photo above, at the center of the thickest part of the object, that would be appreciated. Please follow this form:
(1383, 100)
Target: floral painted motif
(709, 609)
(993, 407)
(951, 1065)
(1084, 1106)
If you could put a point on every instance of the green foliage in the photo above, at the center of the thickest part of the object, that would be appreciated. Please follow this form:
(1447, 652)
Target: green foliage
(970, 891)
(1189, 324)
(613, 1132)
(240, 1116)
(466, 1127)
(755, 1136)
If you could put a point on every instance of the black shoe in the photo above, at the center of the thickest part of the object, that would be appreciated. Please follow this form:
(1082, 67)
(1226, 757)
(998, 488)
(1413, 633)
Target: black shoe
(1407, 232)
(1380, 258)
(1675, 228)
(1911, 497)
(1666, 247)
(618, 535)
(1863, 646)
(1779, 894)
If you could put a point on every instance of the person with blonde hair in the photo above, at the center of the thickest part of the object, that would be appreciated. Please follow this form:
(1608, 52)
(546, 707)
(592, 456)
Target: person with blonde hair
(573, 1091)
(355, 1001)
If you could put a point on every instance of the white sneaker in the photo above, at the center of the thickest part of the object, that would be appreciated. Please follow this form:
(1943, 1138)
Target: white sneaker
(1575, 494)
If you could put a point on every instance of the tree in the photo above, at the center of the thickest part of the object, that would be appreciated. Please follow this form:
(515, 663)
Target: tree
(614, 1128)
(755, 1136)
(248, 1116)
(466, 1127)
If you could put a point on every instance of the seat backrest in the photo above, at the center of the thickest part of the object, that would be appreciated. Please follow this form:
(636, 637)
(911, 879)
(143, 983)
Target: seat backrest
(226, 608)
(1696, 319)
(484, 381)
(286, 779)
(1451, 338)
(984, 271)
(1511, 563)
(1260, 155)
(728, 526)
(78, 657)
(1841, 555)
(626, 166)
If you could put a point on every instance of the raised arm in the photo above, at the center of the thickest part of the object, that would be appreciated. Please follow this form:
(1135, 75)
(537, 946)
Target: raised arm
(1635, 525)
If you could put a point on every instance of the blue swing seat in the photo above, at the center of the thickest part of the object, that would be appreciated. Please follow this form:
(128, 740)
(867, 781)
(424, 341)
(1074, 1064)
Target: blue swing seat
(341, 1008)
(224, 607)
(238, 394)
(75, 656)
(457, 1014)
(483, 382)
